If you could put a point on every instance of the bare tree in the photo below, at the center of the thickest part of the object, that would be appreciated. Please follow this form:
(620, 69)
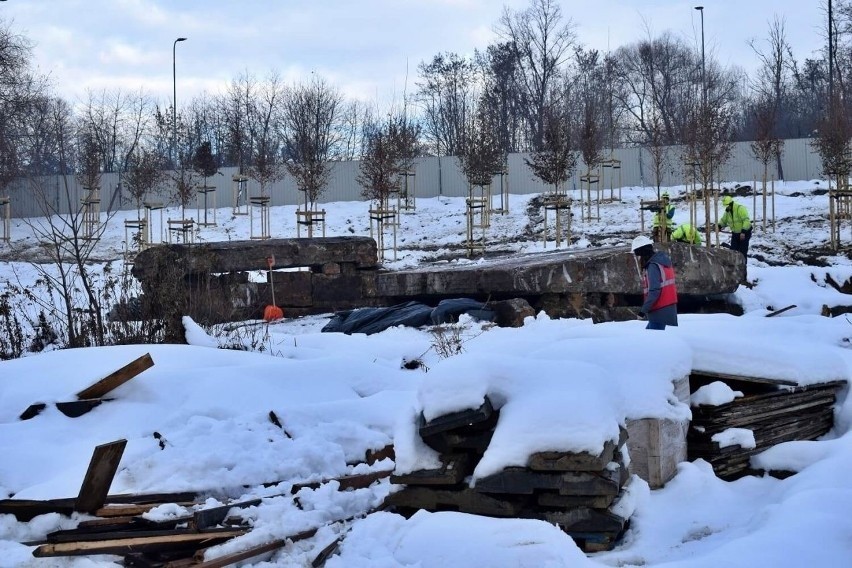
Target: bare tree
(19, 89)
(501, 94)
(311, 135)
(659, 76)
(446, 95)
(770, 86)
(542, 40)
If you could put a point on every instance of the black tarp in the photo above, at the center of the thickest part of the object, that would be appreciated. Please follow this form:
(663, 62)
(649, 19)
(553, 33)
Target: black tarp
(410, 314)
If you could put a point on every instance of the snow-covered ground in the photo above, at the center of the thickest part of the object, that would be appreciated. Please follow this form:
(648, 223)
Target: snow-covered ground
(338, 396)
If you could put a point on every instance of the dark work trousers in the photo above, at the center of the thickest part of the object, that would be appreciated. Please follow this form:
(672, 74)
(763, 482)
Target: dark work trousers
(741, 245)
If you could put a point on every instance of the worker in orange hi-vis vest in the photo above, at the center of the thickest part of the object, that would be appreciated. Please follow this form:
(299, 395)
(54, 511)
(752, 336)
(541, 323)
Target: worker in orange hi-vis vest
(658, 284)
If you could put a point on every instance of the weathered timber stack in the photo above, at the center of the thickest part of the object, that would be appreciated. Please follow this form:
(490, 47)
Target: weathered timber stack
(774, 410)
(583, 494)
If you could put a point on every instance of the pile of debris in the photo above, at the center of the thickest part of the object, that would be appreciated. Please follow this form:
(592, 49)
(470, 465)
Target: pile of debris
(774, 410)
(120, 524)
(583, 494)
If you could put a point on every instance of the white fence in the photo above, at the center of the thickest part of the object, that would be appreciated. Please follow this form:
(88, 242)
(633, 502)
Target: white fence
(434, 176)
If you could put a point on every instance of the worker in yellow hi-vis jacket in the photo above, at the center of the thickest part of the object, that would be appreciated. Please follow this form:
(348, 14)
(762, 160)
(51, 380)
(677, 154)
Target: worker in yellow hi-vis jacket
(736, 217)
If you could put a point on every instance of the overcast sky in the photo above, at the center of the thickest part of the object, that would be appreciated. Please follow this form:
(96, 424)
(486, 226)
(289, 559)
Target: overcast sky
(370, 49)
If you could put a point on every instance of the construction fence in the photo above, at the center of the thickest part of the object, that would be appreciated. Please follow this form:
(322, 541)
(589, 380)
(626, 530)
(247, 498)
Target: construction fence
(433, 176)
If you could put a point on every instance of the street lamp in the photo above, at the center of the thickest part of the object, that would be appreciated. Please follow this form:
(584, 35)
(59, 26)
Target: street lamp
(703, 81)
(174, 99)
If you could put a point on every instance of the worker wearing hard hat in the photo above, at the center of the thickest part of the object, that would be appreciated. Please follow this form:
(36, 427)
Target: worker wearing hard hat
(664, 217)
(658, 284)
(736, 217)
(686, 233)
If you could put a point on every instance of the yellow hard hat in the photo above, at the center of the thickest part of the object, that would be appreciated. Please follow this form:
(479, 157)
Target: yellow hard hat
(727, 200)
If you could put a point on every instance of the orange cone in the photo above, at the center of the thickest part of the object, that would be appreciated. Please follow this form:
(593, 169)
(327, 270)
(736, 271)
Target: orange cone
(273, 312)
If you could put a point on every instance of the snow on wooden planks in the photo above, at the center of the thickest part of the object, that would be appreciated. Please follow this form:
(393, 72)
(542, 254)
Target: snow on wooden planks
(576, 491)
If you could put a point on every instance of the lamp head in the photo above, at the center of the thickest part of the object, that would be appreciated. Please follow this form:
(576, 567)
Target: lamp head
(180, 39)
(700, 8)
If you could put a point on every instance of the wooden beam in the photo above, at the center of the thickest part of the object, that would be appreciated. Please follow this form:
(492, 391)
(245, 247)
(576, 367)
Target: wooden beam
(139, 544)
(117, 378)
(99, 476)
(27, 509)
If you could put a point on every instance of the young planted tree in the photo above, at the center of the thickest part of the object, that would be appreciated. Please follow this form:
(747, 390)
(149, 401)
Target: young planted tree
(203, 162)
(144, 176)
(379, 166)
(555, 162)
(482, 154)
(766, 145)
(310, 117)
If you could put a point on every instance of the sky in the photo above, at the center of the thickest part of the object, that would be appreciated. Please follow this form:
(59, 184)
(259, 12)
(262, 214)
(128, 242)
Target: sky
(338, 395)
(369, 49)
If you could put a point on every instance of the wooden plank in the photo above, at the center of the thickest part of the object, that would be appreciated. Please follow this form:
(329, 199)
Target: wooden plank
(464, 500)
(555, 500)
(360, 481)
(523, 481)
(70, 536)
(584, 519)
(157, 498)
(781, 311)
(118, 510)
(453, 470)
(229, 559)
(326, 553)
(99, 476)
(206, 518)
(26, 510)
(455, 420)
(741, 378)
(117, 378)
(576, 461)
(128, 545)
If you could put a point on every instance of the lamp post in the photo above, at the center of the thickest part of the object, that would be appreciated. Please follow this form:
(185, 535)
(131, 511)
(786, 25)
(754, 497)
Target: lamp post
(174, 99)
(703, 81)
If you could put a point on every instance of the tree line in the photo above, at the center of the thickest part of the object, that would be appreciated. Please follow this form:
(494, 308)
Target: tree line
(536, 89)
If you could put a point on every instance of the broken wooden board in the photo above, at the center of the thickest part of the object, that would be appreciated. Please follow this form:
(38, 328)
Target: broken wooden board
(462, 500)
(524, 481)
(454, 420)
(125, 544)
(117, 378)
(453, 470)
(99, 476)
(359, 481)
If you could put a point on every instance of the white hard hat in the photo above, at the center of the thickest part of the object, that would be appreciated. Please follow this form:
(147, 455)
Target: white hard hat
(640, 242)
